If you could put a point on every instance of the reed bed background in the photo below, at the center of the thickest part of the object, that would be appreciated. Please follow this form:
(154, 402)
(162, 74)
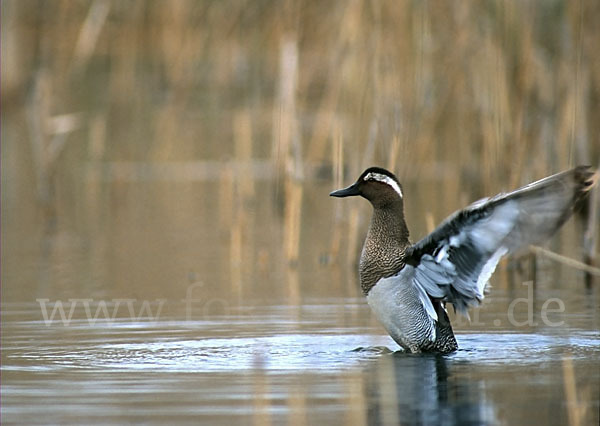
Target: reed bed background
(127, 126)
(150, 146)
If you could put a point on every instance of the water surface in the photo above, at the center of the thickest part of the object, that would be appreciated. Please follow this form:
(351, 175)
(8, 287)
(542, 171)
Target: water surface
(322, 363)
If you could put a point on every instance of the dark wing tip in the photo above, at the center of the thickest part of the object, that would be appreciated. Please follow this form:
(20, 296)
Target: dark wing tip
(586, 177)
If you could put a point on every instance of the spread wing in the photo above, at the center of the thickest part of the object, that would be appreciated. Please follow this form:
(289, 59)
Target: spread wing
(455, 262)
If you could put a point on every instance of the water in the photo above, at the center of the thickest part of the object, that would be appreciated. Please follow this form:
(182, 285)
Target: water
(322, 363)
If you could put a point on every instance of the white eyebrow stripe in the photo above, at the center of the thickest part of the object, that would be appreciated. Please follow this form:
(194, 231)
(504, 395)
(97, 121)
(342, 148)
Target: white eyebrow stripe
(385, 179)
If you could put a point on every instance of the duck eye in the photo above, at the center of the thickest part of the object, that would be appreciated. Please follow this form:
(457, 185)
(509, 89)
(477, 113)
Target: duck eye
(370, 178)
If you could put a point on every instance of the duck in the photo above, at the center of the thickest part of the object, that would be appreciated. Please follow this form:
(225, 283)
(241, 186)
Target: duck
(408, 285)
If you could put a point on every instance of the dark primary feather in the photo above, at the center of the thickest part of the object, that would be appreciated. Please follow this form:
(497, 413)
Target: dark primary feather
(456, 260)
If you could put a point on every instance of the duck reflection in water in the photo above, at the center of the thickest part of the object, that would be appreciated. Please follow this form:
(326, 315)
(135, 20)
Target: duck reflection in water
(406, 389)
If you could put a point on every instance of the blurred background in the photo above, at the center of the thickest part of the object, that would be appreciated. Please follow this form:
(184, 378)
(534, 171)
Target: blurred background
(150, 144)
(159, 150)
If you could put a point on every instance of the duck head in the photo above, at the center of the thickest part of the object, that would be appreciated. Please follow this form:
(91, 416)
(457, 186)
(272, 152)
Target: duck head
(377, 185)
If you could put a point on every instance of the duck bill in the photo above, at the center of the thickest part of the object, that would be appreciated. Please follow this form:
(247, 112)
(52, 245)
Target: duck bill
(352, 190)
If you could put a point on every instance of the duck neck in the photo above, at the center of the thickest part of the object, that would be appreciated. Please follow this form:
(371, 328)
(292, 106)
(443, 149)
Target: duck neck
(386, 242)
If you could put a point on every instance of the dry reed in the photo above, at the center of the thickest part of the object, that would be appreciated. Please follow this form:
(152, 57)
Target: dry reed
(472, 97)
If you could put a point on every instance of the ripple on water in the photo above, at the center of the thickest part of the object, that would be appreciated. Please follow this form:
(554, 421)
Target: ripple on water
(279, 352)
(501, 348)
(285, 352)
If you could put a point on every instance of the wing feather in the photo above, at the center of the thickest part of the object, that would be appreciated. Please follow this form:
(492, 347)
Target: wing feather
(455, 262)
